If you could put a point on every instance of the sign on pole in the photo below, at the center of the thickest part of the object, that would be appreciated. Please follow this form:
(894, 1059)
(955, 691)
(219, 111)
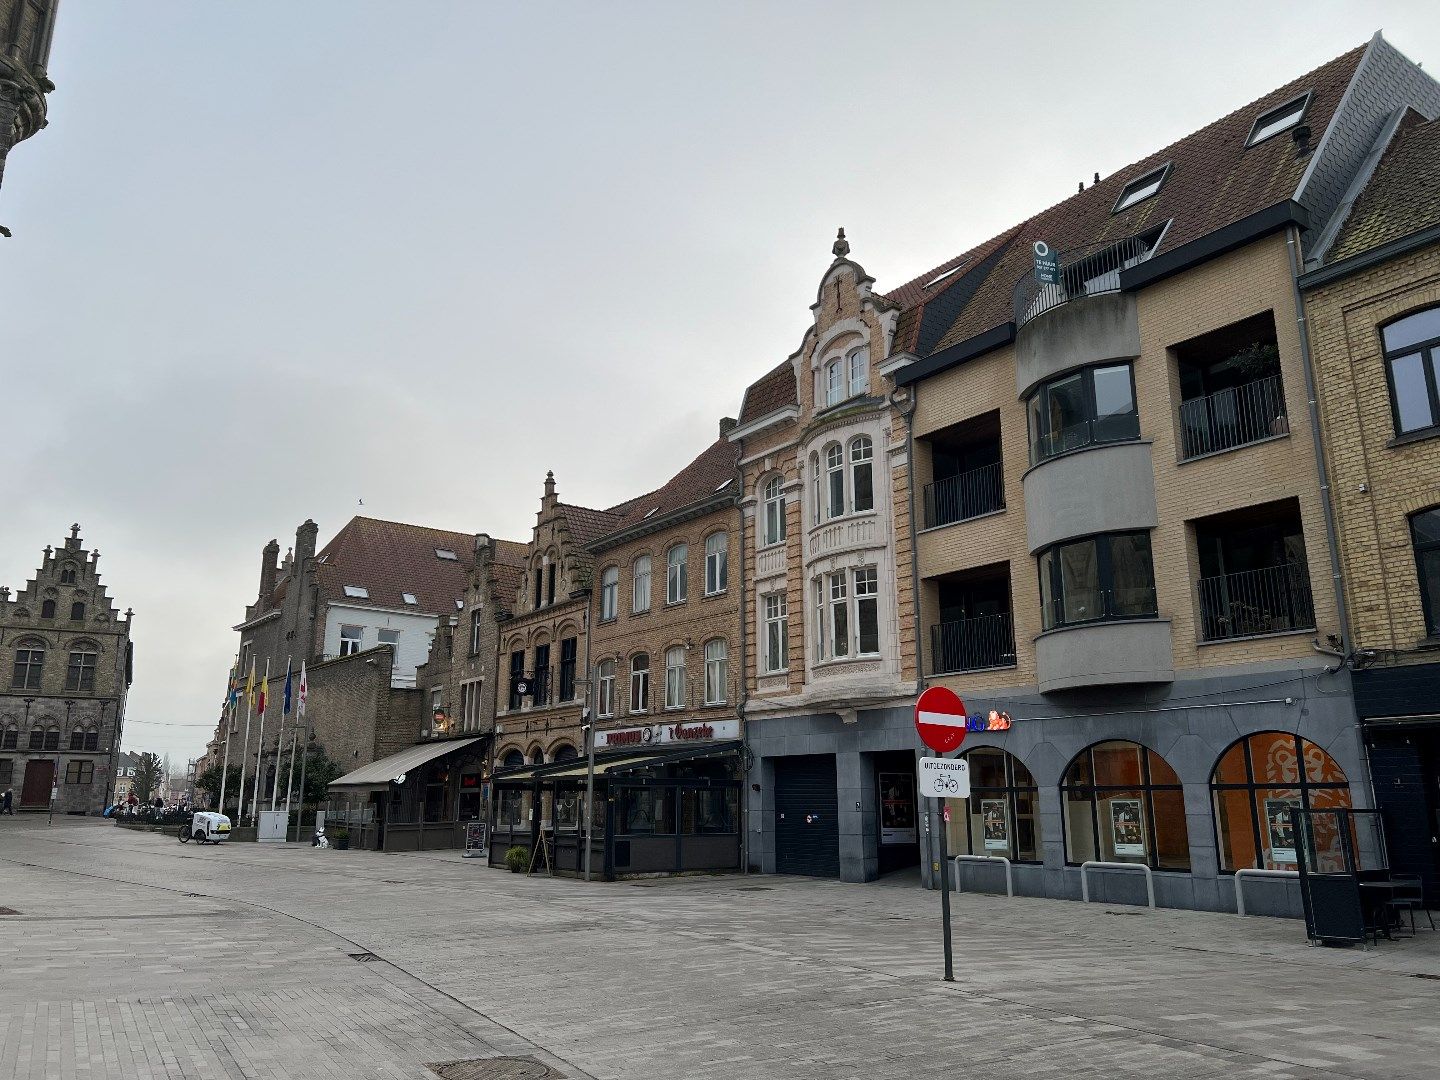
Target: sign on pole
(1047, 264)
(940, 719)
(944, 778)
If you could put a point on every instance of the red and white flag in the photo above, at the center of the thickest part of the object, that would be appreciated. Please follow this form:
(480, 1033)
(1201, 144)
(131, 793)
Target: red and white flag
(304, 692)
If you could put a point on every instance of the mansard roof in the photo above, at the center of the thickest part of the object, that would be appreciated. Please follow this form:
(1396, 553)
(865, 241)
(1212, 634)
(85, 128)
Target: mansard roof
(1403, 195)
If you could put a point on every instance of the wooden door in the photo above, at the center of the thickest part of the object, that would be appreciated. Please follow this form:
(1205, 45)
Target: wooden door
(39, 775)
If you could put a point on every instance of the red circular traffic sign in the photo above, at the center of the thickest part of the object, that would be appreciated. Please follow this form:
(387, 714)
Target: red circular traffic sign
(940, 719)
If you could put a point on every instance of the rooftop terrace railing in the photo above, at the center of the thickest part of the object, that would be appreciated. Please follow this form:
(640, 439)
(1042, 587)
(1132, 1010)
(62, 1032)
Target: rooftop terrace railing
(1084, 271)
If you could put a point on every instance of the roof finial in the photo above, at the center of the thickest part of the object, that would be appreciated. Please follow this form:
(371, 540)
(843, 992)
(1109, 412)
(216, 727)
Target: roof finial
(842, 246)
(75, 531)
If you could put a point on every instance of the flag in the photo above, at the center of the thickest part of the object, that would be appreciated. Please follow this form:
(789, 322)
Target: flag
(260, 699)
(285, 708)
(232, 692)
(250, 685)
(304, 692)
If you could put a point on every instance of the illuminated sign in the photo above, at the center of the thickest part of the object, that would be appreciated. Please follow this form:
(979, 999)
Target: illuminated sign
(994, 720)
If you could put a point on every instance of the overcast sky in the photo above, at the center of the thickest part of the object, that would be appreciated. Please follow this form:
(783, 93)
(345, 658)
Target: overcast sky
(271, 258)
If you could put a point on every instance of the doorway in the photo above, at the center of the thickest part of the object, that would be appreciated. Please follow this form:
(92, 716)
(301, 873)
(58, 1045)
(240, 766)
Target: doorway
(897, 838)
(807, 827)
(39, 778)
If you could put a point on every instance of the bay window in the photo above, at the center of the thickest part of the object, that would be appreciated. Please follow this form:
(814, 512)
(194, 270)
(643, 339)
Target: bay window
(1098, 577)
(1082, 408)
(835, 480)
(859, 373)
(867, 611)
(862, 487)
(834, 382)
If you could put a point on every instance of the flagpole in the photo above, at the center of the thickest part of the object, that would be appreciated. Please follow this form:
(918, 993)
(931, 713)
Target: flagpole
(260, 749)
(300, 722)
(245, 753)
(294, 737)
(229, 717)
(280, 736)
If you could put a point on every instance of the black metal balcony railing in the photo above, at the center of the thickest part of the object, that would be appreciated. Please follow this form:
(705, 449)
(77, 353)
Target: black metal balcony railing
(1080, 606)
(1123, 427)
(1267, 601)
(986, 641)
(1234, 417)
(1084, 271)
(965, 495)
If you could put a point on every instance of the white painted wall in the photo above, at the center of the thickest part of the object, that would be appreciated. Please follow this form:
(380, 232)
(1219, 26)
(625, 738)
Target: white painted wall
(413, 649)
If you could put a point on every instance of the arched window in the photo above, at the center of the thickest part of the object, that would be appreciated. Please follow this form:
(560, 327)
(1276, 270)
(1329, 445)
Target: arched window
(814, 489)
(9, 739)
(774, 499)
(538, 577)
(640, 683)
(605, 689)
(77, 739)
(1425, 533)
(537, 756)
(552, 566)
(77, 611)
(1412, 360)
(717, 671)
(47, 609)
(29, 664)
(834, 382)
(1124, 803)
(67, 574)
(675, 567)
(640, 590)
(513, 760)
(717, 568)
(92, 739)
(564, 752)
(834, 480)
(859, 372)
(862, 486)
(675, 677)
(80, 675)
(1002, 815)
(1255, 786)
(609, 592)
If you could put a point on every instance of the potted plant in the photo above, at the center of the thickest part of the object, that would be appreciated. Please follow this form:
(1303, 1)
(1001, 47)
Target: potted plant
(341, 837)
(516, 858)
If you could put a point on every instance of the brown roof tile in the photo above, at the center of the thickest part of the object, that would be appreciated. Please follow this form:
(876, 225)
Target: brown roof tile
(1402, 197)
(586, 524)
(773, 390)
(700, 480)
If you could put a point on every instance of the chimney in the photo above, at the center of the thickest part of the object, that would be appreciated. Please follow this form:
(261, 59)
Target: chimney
(727, 425)
(483, 546)
(1301, 134)
(268, 558)
(305, 542)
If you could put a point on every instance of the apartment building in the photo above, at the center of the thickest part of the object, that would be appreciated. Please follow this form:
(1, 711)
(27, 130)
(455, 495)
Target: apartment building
(1125, 562)
(1372, 296)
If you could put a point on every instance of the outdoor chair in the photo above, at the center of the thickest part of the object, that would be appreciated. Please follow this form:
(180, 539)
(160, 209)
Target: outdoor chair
(1409, 896)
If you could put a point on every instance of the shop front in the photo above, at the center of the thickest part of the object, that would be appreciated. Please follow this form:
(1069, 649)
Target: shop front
(420, 799)
(1193, 782)
(1399, 708)
(665, 801)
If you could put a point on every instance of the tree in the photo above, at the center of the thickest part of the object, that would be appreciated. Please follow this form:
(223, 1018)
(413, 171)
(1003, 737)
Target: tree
(319, 771)
(149, 774)
(209, 782)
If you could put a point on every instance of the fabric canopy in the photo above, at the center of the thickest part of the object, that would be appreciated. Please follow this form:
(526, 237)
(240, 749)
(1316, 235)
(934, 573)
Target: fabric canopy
(379, 774)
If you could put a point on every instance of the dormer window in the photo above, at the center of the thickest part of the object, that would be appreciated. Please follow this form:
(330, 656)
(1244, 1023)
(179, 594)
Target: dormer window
(1138, 191)
(358, 592)
(446, 554)
(1277, 120)
(409, 598)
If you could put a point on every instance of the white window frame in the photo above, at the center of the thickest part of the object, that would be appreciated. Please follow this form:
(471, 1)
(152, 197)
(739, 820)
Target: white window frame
(640, 585)
(609, 593)
(357, 592)
(717, 671)
(834, 490)
(471, 694)
(837, 615)
(394, 639)
(817, 513)
(866, 592)
(773, 496)
(834, 382)
(639, 685)
(675, 677)
(410, 599)
(477, 628)
(356, 642)
(676, 571)
(717, 563)
(859, 371)
(862, 456)
(775, 615)
(605, 689)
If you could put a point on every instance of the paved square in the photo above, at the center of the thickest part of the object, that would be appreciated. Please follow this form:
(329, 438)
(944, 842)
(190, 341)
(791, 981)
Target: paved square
(113, 969)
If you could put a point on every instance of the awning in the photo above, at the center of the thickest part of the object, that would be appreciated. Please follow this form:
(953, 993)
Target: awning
(379, 774)
(613, 762)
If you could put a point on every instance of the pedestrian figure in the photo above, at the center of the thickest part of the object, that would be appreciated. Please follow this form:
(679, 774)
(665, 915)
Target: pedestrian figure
(7, 803)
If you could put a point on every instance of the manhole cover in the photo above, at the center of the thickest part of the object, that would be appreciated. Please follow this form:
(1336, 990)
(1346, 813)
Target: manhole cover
(364, 957)
(503, 1068)
(8, 911)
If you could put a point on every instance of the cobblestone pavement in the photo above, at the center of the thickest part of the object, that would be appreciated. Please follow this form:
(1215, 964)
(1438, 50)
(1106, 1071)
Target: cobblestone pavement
(134, 956)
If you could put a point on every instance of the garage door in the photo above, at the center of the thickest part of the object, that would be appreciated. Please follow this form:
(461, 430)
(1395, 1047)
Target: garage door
(807, 832)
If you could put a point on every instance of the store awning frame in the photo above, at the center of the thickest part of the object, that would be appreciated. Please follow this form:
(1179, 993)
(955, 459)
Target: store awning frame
(612, 763)
(379, 775)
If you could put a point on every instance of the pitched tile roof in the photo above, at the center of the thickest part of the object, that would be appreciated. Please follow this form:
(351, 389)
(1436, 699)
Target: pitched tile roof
(1214, 180)
(1402, 197)
(773, 390)
(699, 481)
(391, 558)
(586, 524)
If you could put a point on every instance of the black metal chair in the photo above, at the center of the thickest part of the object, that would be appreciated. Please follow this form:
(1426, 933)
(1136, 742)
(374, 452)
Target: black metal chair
(1408, 897)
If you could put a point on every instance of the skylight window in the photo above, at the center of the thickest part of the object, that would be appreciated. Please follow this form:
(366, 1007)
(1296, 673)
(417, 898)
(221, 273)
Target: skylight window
(409, 598)
(1277, 120)
(941, 277)
(357, 591)
(446, 553)
(459, 604)
(650, 512)
(1141, 189)
(726, 484)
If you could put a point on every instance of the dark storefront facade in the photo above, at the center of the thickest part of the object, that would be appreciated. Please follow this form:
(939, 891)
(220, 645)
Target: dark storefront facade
(1194, 781)
(420, 799)
(1399, 708)
(656, 810)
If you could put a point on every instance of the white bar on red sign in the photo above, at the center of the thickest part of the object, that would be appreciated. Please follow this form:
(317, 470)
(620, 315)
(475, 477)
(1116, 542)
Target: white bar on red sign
(941, 719)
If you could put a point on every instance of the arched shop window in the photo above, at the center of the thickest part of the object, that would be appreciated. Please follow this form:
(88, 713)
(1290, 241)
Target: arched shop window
(1124, 803)
(1256, 785)
(513, 760)
(1002, 815)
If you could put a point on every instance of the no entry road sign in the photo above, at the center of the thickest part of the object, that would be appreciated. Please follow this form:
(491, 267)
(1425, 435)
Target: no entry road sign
(940, 719)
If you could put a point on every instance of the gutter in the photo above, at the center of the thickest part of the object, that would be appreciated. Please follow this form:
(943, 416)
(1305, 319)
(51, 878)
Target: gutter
(1225, 239)
(743, 682)
(1366, 259)
(995, 338)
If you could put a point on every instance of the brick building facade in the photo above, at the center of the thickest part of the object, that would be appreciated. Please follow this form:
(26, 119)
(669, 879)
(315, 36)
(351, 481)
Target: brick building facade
(62, 704)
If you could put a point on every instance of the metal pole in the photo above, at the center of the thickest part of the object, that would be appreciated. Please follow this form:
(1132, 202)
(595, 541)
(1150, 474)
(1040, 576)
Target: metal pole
(945, 894)
(260, 748)
(244, 758)
(225, 761)
(280, 737)
(290, 779)
(589, 789)
(304, 759)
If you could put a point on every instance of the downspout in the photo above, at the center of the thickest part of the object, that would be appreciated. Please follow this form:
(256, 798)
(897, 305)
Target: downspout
(744, 673)
(588, 727)
(907, 413)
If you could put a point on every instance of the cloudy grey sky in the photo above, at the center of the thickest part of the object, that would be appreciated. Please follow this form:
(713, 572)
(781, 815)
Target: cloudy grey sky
(273, 257)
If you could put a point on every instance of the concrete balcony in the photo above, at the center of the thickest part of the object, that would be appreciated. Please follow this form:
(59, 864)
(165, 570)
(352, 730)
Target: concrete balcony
(1106, 487)
(1105, 653)
(1088, 331)
(770, 561)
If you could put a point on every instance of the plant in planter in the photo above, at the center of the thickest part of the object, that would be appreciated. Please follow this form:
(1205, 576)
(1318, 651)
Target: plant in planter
(516, 859)
(341, 838)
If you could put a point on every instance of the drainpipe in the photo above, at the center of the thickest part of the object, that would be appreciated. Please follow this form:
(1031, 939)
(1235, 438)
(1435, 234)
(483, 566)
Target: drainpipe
(907, 413)
(744, 672)
(589, 728)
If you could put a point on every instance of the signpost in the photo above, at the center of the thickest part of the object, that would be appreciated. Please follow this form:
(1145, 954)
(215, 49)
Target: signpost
(1047, 264)
(941, 723)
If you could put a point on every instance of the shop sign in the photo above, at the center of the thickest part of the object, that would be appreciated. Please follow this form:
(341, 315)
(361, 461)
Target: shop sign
(991, 721)
(477, 839)
(660, 734)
